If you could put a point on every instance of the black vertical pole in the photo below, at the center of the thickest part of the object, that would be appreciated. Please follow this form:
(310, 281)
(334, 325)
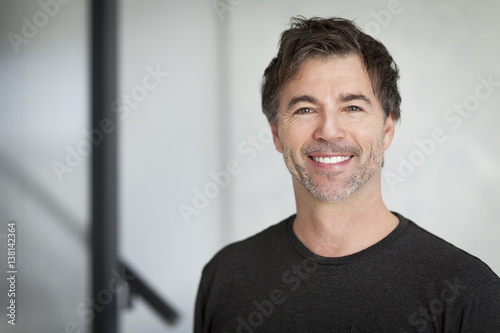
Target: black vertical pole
(104, 164)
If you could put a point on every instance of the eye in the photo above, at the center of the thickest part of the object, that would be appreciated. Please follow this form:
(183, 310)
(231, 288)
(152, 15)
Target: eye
(303, 111)
(353, 108)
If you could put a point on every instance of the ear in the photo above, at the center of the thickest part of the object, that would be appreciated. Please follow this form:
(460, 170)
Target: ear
(388, 131)
(276, 137)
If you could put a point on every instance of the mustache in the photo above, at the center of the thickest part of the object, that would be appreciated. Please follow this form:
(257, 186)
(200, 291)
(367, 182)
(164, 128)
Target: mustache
(330, 147)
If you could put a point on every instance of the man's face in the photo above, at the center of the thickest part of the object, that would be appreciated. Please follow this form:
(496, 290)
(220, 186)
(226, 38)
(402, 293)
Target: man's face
(331, 128)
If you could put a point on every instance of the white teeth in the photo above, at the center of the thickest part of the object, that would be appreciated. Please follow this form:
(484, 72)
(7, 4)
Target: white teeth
(331, 160)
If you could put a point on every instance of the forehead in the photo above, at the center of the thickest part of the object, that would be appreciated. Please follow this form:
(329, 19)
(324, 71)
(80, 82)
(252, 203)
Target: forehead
(329, 77)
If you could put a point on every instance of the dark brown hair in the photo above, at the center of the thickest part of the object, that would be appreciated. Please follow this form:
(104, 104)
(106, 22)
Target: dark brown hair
(338, 37)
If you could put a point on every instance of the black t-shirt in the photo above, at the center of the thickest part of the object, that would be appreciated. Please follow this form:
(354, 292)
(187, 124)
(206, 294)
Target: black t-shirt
(411, 281)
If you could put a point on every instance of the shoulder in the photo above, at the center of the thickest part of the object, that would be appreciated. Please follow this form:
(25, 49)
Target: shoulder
(249, 251)
(431, 253)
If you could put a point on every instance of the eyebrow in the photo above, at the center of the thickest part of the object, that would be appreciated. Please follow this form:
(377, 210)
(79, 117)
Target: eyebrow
(298, 99)
(344, 98)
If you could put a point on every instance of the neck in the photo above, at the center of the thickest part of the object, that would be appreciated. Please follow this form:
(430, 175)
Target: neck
(337, 229)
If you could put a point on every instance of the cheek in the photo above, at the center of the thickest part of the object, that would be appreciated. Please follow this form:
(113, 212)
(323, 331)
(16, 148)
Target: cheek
(367, 138)
(294, 134)
(370, 130)
(283, 137)
(371, 121)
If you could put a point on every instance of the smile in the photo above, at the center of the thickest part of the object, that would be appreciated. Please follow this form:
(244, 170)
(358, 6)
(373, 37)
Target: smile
(331, 160)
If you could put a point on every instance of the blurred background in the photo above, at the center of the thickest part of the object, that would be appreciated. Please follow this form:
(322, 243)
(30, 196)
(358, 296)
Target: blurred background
(197, 168)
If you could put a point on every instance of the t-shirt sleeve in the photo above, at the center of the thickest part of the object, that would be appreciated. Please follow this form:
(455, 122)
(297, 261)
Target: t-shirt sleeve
(482, 312)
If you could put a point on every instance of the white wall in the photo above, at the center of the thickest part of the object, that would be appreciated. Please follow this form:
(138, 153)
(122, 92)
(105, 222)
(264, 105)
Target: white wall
(169, 143)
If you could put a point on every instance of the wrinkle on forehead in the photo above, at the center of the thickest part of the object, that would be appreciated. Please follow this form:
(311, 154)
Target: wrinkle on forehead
(314, 60)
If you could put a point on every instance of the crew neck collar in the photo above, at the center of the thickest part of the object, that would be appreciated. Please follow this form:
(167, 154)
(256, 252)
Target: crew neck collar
(303, 251)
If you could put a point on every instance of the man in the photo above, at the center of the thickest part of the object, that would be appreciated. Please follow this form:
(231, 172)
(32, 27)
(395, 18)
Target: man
(344, 262)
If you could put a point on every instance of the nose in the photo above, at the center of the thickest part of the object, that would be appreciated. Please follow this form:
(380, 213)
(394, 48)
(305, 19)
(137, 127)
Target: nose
(329, 128)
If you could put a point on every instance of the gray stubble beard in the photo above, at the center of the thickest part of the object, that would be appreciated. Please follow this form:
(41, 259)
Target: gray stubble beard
(364, 173)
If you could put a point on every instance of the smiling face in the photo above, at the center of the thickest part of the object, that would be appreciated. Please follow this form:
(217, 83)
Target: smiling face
(331, 128)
